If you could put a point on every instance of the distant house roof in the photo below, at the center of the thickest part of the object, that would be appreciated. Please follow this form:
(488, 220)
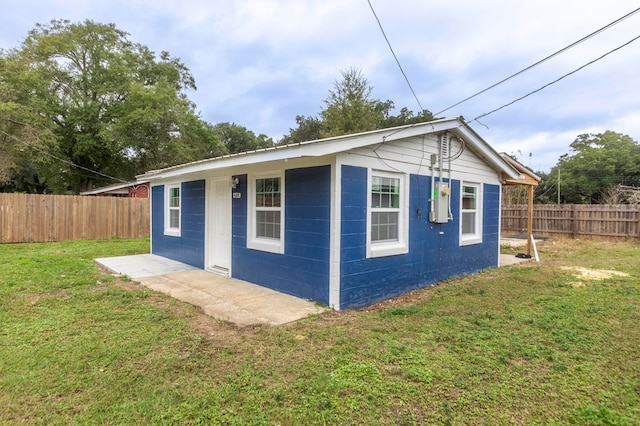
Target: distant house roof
(116, 189)
(334, 145)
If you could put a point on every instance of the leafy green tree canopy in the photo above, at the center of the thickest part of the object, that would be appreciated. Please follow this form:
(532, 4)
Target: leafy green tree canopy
(111, 105)
(22, 130)
(236, 138)
(309, 129)
(595, 163)
(350, 108)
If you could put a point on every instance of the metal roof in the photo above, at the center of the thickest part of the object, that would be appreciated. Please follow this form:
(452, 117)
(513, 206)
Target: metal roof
(334, 145)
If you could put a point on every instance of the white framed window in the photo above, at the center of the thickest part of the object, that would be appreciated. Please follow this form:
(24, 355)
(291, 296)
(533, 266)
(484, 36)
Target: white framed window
(470, 213)
(387, 224)
(265, 221)
(172, 216)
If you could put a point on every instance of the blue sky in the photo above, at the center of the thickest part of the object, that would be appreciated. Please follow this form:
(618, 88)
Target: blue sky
(259, 63)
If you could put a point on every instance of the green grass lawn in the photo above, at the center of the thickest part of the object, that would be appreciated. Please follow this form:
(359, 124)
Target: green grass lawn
(531, 344)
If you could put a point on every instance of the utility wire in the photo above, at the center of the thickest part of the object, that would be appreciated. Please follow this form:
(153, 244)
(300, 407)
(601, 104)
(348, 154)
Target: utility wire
(556, 80)
(564, 49)
(395, 57)
(61, 159)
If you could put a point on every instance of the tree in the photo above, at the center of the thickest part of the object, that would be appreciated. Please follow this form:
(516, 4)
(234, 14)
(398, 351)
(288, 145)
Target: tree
(111, 105)
(349, 107)
(309, 129)
(621, 194)
(406, 116)
(159, 131)
(208, 140)
(597, 161)
(23, 132)
(237, 138)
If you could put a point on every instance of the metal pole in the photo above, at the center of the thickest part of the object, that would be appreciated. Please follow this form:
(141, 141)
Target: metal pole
(558, 184)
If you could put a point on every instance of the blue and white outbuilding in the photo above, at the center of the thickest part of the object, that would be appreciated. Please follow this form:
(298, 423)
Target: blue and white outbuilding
(346, 221)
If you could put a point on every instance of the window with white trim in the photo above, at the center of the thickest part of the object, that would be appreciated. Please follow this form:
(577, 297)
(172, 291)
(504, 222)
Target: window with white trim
(470, 213)
(387, 227)
(172, 210)
(266, 213)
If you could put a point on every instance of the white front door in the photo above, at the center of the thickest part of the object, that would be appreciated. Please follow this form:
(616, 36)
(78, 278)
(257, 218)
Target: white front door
(219, 225)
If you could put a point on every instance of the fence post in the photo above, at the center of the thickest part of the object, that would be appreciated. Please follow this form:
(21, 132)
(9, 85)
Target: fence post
(574, 222)
(530, 220)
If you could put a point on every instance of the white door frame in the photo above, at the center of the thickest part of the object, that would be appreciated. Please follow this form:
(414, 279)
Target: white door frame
(211, 211)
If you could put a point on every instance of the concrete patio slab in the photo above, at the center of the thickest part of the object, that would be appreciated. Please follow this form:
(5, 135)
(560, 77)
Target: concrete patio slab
(142, 265)
(224, 298)
(510, 259)
(228, 299)
(232, 300)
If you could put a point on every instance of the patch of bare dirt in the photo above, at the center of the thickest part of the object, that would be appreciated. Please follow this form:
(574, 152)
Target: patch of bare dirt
(585, 274)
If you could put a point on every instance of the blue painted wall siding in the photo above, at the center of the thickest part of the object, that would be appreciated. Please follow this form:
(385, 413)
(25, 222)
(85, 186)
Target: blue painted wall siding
(432, 257)
(303, 269)
(189, 246)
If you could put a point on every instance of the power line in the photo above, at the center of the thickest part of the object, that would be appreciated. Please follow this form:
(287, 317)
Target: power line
(62, 159)
(395, 57)
(564, 49)
(556, 80)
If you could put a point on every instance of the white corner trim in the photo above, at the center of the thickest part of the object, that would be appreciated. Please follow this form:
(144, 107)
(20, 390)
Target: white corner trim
(335, 234)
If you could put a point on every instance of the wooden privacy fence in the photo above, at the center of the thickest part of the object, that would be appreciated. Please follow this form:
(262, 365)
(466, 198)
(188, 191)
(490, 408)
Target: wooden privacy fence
(574, 220)
(35, 217)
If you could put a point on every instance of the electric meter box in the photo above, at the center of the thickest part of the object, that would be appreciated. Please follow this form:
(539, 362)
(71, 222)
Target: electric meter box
(440, 211)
